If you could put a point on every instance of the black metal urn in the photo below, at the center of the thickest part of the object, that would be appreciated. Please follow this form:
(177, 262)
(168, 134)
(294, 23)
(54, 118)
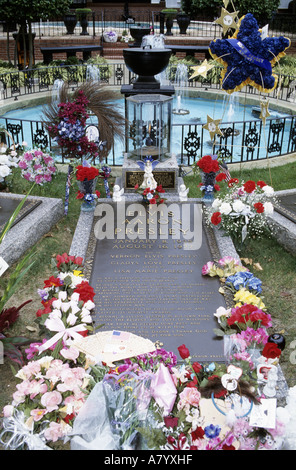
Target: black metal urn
(137, 33)
(146, 62)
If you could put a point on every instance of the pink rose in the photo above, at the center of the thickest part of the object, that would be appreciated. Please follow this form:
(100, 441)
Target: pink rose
(8, 411)
(51, 400)
(54, 432)
(207, 268)
(189, 396)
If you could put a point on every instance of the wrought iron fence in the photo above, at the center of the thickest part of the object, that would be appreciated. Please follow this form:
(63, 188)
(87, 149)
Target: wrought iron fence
(241, 141)
(99, 21)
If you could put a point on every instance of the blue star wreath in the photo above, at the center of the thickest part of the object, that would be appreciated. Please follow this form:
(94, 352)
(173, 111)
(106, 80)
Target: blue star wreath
(247, 58)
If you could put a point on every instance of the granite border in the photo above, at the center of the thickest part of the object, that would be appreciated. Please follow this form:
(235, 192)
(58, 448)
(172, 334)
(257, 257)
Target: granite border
(283, 228)
(31, 228)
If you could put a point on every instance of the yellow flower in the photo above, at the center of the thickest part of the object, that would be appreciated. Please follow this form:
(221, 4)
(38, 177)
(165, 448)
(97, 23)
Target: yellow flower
(77, 273)
(243, 296)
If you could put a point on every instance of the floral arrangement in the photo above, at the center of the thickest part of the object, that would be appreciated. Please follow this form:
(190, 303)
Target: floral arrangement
(248, 58)
(37, 167)
(151, 398)
(208, 164)
(110, 36)
(69, 128)
(152, 196)
(242, 212)
(86, 172)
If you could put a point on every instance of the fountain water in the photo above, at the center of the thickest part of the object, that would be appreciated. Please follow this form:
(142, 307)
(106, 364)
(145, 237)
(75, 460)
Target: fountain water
(181, 79)
(92, 73)
(56, 91)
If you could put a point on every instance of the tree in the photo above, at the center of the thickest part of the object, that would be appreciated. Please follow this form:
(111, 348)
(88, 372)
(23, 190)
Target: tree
(262, 10)
(25, 12)
(202, 8)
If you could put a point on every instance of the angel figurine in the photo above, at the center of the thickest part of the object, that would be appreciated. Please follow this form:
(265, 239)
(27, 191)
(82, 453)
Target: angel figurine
(183, 192)
(148, 166)
(117, 193)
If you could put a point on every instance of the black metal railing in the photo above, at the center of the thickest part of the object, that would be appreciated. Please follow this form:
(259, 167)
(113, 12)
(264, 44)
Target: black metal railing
(241, 141)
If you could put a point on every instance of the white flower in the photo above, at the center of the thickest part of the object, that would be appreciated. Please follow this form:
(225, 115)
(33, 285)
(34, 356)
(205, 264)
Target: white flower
(71, 319)
(268, 208)
(225, 208)
(238, 206)
(222, 312)
(4, 160)
(89, 305)
(216, 204)
(62, 295)
(4, 171)
(268, 190)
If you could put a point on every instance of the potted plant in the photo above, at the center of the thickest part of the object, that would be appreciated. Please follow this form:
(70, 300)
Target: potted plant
(110, 36)
(170, 14)
(81, 14)
(70, 21)
(183, 19)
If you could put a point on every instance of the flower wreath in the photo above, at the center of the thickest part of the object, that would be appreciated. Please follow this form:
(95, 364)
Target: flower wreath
(249, 56)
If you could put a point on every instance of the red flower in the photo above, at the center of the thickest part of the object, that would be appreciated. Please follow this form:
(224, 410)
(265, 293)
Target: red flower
(152, 200)
(261, 184)
(80, 195)
(160, 189)
(53, 281)
(221, 177)
(98, 194)
(86, 173)
(208, 165)
(216, 187)
(259, 207)
(85, 291)
(271, 351)
(249, 186)
(216, 218)
(198, 433)
(183, 351)
(137, 186)
(197, 367)
(69, 418)
(232, 181)
(170, 422)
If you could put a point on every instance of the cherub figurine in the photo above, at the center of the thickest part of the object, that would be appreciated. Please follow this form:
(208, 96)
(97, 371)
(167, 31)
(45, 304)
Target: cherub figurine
(148, 166)
(117, 193)
(183, 192)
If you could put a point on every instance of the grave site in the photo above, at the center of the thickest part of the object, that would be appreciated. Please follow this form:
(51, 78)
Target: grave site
(147, 307)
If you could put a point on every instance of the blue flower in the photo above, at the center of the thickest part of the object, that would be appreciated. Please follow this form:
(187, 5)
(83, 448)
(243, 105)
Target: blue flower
(244, 279)
(212, 431)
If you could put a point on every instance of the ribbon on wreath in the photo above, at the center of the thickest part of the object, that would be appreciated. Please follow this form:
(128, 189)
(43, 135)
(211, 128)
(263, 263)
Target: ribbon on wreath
(247, 213)
(244, 51)
(56, 324)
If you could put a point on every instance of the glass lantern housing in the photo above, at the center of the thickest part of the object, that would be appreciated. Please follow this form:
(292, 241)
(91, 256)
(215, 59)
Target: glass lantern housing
(149, 126)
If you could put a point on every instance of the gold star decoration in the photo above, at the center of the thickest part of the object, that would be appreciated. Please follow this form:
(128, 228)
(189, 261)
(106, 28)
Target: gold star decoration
(264, 110)
(212, 126)
(201, 69)
(225, 3)
(227, 20)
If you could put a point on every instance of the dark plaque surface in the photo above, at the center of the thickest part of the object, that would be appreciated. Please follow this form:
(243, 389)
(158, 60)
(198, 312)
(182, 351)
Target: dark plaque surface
(9, 205)
(154, 287)
(164, 178)
(287, 206)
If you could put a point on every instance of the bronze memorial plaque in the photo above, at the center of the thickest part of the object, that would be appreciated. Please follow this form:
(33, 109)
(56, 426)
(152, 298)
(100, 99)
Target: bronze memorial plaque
(152, 285)
(164, 178)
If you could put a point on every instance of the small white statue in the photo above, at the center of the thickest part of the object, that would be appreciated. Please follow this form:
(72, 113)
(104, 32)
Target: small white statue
(117, 193)
(148, 167)
(183, 192)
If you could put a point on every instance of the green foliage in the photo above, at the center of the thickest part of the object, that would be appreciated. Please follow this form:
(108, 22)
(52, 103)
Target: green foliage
(262, 11)
(205, 8)
(30, 10)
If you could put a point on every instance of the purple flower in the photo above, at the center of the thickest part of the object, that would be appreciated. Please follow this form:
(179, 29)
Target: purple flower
(212, 431)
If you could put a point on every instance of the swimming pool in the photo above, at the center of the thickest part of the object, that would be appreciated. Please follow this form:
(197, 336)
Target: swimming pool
(244, 135)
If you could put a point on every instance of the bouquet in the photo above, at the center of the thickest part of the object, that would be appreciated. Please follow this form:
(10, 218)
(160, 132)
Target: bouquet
(242, 212)
(37, 167)
(69, 128)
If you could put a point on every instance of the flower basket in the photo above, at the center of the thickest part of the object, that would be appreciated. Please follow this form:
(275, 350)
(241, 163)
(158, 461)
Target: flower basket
(110, 36)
